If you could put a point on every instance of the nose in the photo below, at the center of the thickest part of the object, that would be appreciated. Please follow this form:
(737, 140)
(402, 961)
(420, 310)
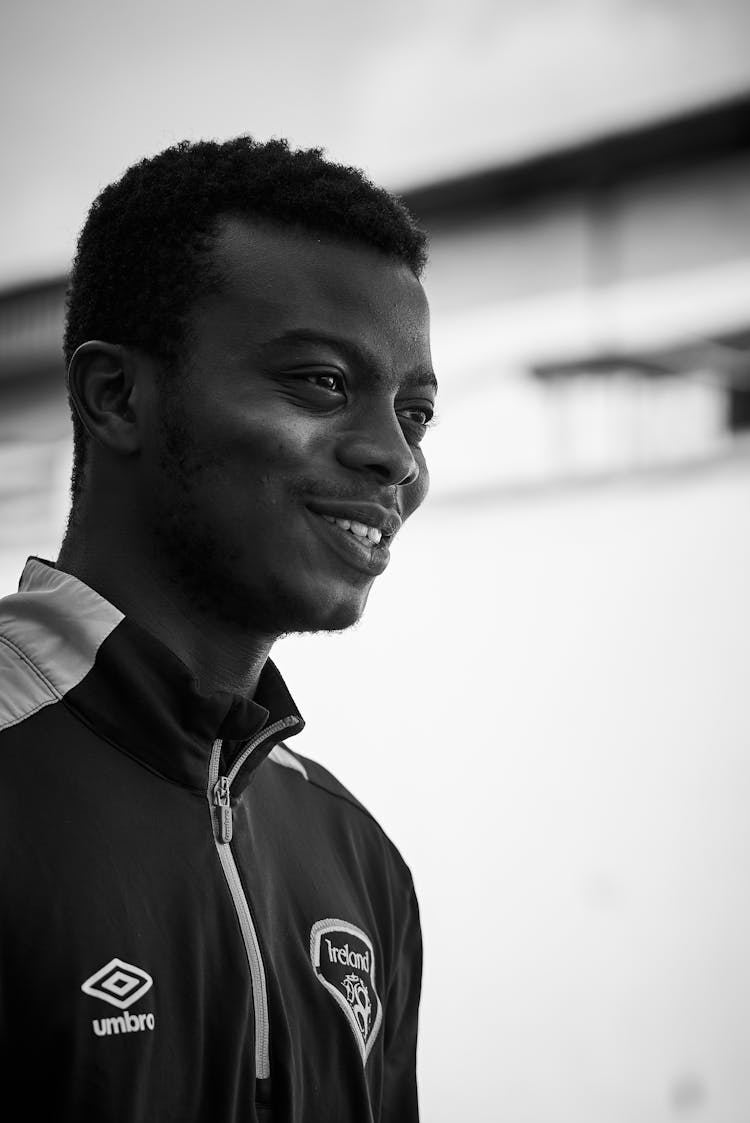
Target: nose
(378, 446)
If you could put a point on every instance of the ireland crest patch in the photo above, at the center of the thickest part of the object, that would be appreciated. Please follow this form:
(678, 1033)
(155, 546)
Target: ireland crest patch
(344, 962)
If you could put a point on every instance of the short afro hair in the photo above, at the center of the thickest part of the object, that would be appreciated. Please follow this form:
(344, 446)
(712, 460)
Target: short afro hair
(141, 260)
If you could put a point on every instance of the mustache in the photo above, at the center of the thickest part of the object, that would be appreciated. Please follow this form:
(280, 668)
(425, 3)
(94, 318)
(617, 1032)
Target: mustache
(313, 487)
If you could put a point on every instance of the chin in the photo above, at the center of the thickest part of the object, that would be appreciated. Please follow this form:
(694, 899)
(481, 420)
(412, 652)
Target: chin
(322, 613)
(332, 618)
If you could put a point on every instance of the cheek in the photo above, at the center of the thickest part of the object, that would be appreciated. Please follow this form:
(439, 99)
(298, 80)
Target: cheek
(417, 492)
(424, 473)
(263, 450)
(263, 469)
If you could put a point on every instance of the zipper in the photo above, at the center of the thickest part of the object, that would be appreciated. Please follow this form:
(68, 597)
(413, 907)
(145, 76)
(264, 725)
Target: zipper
(277, 726)
(222, 801)
(219, 802)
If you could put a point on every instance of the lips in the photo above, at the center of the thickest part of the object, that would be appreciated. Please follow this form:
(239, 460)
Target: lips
(387, 520)
(358, 553)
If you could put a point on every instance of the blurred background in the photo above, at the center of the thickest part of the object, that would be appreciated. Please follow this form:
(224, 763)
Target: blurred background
(546, 705)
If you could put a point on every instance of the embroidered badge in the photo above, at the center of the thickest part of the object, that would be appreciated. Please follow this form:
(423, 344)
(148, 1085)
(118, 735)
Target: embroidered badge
(344, 962)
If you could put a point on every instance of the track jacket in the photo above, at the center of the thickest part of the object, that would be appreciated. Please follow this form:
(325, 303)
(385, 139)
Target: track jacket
(196, 923)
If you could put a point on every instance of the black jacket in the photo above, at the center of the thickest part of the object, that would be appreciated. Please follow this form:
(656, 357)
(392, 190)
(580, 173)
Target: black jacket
(196, 923)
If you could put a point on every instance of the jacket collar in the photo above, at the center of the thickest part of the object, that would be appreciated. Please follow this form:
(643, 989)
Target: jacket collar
(132, 689)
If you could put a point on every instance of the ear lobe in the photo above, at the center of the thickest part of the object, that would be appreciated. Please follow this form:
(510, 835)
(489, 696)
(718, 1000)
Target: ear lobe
(100, 383)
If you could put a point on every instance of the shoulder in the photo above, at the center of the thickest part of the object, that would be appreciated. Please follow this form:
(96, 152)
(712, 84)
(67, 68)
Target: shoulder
(338, 797)
(315, 774)
(24, 689)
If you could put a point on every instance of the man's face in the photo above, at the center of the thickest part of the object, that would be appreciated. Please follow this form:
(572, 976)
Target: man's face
(308, 388)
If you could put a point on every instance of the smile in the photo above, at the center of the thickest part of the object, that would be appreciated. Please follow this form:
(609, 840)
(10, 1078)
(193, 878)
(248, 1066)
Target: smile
(361, 546)
(359, 530)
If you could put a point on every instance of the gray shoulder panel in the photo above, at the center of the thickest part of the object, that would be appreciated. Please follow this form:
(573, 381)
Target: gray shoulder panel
(23, 689)
(280, 754)
(50, 632)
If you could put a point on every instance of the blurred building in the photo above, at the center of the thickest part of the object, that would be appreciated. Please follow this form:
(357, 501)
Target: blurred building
(590, 311)
(35, 428)
(590, 306)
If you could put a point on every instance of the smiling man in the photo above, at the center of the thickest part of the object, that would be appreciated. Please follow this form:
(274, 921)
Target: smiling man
(199, 923)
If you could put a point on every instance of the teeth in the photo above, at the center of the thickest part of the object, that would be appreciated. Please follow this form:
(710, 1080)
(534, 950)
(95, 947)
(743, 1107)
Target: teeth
(361, 530)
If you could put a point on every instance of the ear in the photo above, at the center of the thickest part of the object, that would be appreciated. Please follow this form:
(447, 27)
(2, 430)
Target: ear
(102, 386)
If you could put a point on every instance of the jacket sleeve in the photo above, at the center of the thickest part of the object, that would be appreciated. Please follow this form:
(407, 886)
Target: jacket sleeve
(400, 1104)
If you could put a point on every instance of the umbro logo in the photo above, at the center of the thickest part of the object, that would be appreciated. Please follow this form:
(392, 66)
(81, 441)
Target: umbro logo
(120, 984)
(343, 959)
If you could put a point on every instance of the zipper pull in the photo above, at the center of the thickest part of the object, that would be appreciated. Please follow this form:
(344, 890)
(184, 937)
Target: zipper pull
(223, 806)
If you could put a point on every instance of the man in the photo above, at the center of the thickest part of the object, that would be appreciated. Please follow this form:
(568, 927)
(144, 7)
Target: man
(199, 923)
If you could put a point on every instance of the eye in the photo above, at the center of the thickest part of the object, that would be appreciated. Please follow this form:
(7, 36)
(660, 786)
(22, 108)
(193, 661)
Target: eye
(318, 377)
(421, 415)
(417, 420)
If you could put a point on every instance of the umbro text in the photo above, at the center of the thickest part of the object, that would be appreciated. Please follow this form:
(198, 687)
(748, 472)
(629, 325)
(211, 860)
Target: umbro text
(348, 958)
(125, 1023)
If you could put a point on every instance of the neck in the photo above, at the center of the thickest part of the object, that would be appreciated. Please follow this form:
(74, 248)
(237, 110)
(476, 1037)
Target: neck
(222, 654)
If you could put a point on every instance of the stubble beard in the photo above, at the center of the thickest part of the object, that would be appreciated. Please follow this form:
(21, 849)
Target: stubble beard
(208, 571)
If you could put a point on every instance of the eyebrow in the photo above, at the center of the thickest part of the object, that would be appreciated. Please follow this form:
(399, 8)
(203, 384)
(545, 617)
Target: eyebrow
(353, 352)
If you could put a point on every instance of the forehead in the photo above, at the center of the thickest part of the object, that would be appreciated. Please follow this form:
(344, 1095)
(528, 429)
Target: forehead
(277, 280)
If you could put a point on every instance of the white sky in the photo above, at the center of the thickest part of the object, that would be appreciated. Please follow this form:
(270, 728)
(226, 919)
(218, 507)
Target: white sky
(407, 91)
